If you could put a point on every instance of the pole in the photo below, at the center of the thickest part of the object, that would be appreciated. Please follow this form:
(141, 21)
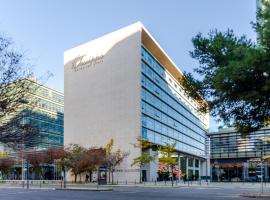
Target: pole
(27, 174)
(179, 168)
(23, 146)
(65, 184)
(262, 175)
(23, 153)
(23, 133)
(262, 154)
(22, 166)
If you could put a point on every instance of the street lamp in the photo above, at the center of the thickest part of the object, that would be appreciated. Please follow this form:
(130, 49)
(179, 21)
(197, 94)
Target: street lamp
(24, 102)
(263, 157)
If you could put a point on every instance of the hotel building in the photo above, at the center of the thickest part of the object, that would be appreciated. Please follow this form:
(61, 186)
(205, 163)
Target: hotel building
(122, 86)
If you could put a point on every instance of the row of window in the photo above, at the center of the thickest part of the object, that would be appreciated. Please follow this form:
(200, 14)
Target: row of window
(49, 94)
(184, 125)
(192, 105)
(163, 140)
(45, 126)
(235, 148)
(170, 125)
(52, 118)
(162, 89)
(158, 127)
(192, 162)
(42, 103)
(52, 139)
(247, 154)
(235, 145)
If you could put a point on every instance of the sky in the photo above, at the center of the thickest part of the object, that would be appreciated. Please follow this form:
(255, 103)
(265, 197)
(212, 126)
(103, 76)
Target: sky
(44, 29)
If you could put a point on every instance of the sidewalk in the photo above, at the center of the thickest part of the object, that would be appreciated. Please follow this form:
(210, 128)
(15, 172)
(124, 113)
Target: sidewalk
(194, 184)
(202, 184)
(256, 195)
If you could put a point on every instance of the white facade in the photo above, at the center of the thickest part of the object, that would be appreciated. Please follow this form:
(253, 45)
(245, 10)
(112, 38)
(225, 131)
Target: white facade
(103, 92)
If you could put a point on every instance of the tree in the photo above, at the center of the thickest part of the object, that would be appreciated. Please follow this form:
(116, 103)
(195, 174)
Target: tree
(16, 95)
(74, 159)
(145, 157)
(167, 153)
(38, 160)
(6, 165)
(14, 88)
(57, 157)
(234, 75)
(16, 133)
(55, 154)
(108, 149)
(113, 159)
(93, 159)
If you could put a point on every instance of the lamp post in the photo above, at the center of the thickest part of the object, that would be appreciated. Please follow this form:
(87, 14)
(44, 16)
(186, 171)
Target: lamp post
(262, 159)
(262, 173)
(24, 102)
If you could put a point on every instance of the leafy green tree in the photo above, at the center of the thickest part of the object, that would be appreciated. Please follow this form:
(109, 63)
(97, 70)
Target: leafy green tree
(167, 157)
(234, 75)
(144, 158)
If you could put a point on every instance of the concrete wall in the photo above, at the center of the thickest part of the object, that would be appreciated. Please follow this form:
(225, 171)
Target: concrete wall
(151, 168)
(102, 94)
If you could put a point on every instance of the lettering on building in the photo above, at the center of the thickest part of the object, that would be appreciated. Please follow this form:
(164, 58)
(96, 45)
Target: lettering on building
(83, 62)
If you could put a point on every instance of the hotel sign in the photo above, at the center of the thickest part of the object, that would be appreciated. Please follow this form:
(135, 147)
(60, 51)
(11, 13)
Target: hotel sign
(83, 62)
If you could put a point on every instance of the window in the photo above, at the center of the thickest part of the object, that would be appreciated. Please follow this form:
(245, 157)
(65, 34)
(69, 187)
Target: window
(196, 163)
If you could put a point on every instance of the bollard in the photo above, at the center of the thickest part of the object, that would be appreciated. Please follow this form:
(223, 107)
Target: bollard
(126, 181)
(155, 182)
(135, 181)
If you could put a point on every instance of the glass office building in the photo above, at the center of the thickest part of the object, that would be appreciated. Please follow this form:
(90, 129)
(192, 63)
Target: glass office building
(48, 116)
(236, 158)
(38, 122)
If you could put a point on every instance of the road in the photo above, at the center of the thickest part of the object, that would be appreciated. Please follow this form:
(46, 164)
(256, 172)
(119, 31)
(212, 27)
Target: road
(127, 193)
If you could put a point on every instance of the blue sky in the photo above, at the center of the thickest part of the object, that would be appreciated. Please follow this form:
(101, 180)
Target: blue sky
(44, 29)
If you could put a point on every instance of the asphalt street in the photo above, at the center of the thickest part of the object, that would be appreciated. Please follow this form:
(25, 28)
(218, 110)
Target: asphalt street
(127, 193)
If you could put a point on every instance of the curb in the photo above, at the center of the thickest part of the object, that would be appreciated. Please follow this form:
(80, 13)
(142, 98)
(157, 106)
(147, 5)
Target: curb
(86, 189)
(255, 195)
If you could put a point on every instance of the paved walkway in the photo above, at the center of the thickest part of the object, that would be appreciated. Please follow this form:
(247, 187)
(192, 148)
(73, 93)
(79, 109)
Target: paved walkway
(194, 184)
